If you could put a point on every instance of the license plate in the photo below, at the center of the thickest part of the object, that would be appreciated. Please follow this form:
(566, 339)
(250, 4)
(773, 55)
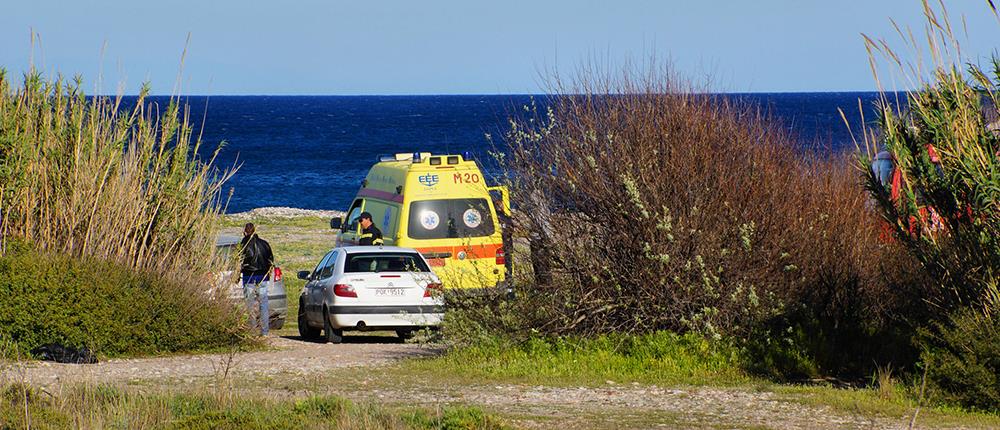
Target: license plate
(388, 292)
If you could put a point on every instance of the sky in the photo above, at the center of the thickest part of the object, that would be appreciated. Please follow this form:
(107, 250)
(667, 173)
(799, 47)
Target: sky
(337, 47)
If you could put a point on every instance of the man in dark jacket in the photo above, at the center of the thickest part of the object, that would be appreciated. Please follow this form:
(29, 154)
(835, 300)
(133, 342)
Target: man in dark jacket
(257, 263)
(370, 235)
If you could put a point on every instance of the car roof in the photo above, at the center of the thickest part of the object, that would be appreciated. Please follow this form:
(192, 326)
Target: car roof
(376, 249)
(226, 240)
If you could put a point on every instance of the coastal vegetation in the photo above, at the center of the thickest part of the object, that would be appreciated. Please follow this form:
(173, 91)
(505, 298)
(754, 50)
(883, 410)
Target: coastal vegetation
(945, 205)
(656, 206)
(108, 221)
(666, 236)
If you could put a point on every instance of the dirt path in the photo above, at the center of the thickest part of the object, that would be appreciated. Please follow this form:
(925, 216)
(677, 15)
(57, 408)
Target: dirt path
(287, 356)
(616, 405)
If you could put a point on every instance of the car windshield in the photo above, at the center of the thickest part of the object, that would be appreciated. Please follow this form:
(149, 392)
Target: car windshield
(384, 262)
(452, 218)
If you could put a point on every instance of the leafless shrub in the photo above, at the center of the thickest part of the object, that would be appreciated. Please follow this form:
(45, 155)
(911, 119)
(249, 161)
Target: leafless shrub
(657, 205)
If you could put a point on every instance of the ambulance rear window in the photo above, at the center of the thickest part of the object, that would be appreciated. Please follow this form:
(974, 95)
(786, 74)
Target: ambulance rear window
(451, 218)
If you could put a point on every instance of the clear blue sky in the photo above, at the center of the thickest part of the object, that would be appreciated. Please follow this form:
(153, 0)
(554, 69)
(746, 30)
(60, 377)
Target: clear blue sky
(455, 46)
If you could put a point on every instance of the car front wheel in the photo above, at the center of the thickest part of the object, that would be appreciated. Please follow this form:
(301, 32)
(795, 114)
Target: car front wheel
(305, 331)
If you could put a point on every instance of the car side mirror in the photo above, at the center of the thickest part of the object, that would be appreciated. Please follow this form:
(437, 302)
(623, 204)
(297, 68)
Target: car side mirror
(336, 223)
(303, 274)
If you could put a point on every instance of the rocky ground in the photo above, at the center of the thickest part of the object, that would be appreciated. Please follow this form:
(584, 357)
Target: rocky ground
(282, 212)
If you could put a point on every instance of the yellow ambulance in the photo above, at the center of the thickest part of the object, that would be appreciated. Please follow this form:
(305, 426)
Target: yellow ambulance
(441, 206)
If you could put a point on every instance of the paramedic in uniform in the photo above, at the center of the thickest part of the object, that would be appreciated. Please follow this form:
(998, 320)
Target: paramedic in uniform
(370, 235)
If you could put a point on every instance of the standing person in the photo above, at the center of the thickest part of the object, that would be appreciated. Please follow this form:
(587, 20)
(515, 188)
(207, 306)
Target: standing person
(370, 235)
(257, 263)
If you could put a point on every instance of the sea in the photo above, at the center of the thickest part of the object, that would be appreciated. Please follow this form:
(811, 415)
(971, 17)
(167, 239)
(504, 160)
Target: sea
(312, 152)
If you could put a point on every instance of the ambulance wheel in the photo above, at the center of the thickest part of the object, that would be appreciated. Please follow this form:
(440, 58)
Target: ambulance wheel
(329, 334)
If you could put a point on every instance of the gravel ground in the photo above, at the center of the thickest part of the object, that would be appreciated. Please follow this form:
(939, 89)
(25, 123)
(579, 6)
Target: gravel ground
(617, 405)
(287, 356)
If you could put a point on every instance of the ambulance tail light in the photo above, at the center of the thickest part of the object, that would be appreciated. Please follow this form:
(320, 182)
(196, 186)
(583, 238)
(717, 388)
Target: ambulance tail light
(501, 257)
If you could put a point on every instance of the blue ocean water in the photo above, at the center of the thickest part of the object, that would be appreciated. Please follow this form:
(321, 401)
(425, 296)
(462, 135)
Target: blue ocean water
(313, 151)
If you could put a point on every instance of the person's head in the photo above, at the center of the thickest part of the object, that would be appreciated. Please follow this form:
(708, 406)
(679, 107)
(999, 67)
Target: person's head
(249, 229)
(365, 219)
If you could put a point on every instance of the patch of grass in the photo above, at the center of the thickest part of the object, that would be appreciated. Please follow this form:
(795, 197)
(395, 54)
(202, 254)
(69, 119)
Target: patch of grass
(901, 405)
(105, 406)
(659, 358)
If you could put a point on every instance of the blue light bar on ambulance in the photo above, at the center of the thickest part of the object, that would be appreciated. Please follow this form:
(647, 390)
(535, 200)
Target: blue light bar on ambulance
(467, 155)
(416, 157)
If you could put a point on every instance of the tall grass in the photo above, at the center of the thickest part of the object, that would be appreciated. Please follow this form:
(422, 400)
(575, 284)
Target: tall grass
(946, 149)
(83, 176)
(953, 112)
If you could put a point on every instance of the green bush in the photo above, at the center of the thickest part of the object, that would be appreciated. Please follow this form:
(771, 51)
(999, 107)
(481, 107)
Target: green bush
(963, 360)
(112, 309)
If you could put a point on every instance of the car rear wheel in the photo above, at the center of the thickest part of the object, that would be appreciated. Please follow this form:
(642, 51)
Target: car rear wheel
(305, 331)
(331, 335)
(277, 323)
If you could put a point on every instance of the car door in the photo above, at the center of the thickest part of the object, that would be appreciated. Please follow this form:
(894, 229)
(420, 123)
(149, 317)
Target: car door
(313, 307)
(323, 282)
(350, 230)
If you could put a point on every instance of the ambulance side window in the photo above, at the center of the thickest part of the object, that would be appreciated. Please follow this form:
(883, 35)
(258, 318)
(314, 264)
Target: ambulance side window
(388, 221)
(351, 222)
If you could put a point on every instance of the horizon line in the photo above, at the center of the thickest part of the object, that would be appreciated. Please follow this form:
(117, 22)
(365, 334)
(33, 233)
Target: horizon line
(472, 94)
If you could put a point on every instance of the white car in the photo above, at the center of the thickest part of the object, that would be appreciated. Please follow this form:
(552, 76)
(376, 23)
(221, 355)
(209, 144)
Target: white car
(369, 288)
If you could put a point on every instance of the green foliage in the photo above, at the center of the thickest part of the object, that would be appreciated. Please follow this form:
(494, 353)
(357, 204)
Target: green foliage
(947, 213)
(963, 360)
(943, 205)
(105, 406)
(455, 418)
(112, 309)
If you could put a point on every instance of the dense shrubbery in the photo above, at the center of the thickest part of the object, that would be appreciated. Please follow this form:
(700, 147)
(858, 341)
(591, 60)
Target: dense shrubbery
(946, 149)
(962, 356)
(110, 308)
(661, 208)
(124, 216)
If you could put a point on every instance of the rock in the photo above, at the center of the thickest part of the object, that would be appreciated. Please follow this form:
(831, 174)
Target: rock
(284, 212)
